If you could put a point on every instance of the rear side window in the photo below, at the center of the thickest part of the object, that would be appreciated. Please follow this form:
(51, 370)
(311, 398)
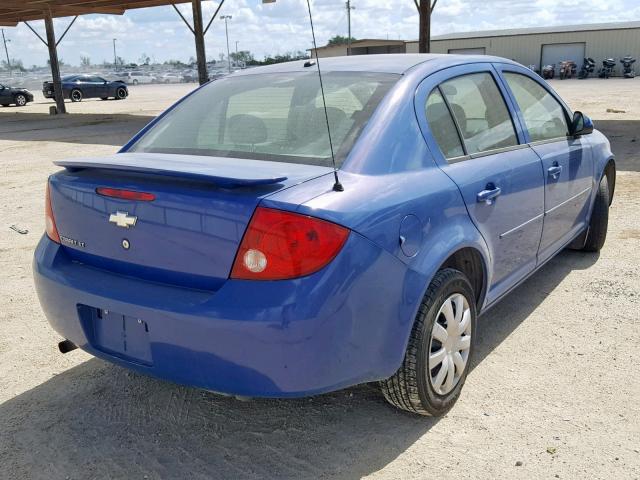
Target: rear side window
(442, 126)
(543, 115)
(480, 112)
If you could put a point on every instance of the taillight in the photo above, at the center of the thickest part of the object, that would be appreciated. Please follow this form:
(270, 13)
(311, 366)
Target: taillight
(49, 219)
(125, 194)
(281, 245)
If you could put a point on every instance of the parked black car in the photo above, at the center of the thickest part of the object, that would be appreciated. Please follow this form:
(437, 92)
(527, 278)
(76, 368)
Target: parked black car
(79, 87)
(16, 96)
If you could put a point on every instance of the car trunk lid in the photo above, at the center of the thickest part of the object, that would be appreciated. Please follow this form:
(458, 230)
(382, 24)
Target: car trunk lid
(187, 235)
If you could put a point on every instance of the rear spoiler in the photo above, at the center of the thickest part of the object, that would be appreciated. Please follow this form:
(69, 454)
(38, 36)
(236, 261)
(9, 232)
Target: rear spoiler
(224, 172)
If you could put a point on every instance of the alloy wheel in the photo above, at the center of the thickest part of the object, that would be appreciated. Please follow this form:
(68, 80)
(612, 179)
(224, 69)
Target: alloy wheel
(450, 343)
(21, 100)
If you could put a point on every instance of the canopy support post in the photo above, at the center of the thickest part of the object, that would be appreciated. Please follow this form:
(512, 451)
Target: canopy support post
(203, 75)
(53, 60)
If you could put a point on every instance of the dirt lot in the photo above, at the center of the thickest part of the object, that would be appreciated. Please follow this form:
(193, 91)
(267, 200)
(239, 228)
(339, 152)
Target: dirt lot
(555, 383)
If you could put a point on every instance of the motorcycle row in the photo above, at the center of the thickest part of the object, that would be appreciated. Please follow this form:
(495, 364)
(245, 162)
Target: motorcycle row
(568, 69)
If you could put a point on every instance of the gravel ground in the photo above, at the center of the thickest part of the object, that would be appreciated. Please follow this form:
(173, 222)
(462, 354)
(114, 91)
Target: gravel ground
(554, 391)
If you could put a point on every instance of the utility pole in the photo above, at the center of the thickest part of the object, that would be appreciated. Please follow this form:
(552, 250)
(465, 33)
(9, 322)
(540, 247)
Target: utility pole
(349, 8)
(7, 52)
(226, 28)
(115, 57)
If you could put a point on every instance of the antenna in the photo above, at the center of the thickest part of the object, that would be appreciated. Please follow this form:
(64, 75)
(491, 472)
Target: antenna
(337, 186)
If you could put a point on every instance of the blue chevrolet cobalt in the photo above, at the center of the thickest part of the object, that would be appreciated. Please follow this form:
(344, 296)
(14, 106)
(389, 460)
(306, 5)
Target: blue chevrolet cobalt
(220, 249)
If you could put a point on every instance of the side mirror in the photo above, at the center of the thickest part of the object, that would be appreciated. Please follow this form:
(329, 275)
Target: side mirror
(581, 125)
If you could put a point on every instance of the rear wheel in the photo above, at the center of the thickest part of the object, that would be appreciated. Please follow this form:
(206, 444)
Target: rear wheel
(121, 93)
(437, 359)
(76, 95)
(599, 222)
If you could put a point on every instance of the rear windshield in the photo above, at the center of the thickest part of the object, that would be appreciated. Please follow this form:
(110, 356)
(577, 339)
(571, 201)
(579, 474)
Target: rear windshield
(275, 117)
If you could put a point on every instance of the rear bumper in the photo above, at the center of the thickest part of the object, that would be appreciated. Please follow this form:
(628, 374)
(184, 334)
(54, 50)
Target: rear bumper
(344, 325)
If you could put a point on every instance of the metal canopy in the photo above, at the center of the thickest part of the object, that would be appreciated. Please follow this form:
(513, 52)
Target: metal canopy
(14, 11)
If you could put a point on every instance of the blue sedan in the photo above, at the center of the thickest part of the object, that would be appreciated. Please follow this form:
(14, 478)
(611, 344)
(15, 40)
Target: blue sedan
(78, 87)
(220, 249)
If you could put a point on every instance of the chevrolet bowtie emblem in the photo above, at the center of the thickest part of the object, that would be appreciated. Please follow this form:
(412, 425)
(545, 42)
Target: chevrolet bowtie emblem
(122, 219)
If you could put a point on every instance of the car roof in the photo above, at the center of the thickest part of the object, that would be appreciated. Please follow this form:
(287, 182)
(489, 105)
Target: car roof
(384, 63)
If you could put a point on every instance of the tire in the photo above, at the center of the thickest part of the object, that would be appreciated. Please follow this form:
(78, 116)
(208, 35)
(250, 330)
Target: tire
(75, 95)
(599, 221)
(121, 93)
(412, 388)
(20, 100)
(135, 82)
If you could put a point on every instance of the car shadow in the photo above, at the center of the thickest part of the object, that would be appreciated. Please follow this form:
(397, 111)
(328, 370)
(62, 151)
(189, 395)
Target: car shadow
(624, 136)
(497, 323)
(92, 129)
(97, 420)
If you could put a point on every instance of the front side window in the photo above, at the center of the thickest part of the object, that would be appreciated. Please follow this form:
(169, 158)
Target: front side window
(480, 112)
(276, 117)
(543, 115)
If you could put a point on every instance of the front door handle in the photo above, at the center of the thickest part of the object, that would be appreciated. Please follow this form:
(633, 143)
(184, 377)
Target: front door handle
(489, 194)
(555, 171)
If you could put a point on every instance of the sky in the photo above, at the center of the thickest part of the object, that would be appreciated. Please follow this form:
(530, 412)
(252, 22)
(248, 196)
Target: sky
(284, 26)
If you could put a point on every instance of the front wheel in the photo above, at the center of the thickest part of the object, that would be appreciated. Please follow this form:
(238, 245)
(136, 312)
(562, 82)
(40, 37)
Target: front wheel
(437, 359)
(76, 95)
(21, 100)
(599, 222)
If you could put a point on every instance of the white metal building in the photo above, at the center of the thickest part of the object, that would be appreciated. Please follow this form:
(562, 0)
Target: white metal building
(528, 46)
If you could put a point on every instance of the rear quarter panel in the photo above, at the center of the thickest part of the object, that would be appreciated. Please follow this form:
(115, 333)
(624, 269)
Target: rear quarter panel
(376, 207)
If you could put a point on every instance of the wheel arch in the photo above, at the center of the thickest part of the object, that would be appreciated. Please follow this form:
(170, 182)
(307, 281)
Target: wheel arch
(470, 261)
(610, 172)
(471, 257)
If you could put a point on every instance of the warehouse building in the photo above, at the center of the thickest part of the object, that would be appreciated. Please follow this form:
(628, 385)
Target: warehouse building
(528, 46)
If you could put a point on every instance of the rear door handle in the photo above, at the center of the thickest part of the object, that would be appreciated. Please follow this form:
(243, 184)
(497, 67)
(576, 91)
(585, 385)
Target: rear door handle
(555, 171)
(488, 195)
